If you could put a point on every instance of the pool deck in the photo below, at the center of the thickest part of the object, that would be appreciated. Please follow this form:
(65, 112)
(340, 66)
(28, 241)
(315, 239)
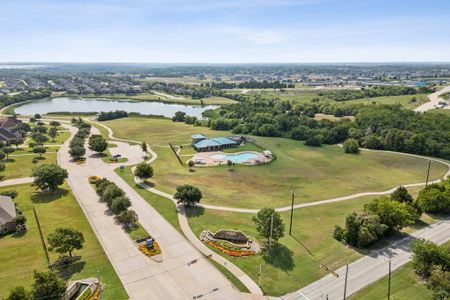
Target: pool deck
(209, 161)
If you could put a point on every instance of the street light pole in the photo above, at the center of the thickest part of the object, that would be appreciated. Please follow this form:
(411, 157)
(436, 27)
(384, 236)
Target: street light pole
(428, 172)
(389, 281)
(292, 212)
(345, 283)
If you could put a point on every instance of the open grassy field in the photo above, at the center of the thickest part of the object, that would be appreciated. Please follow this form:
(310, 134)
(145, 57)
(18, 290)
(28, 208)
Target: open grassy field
(307, 170)
(21, 254)
(294, 263)
(404, 100)
(405, 284)
(22, 166)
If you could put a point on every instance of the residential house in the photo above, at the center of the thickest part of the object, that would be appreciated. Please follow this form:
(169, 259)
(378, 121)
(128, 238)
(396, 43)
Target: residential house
(8, 215)
(203, 144)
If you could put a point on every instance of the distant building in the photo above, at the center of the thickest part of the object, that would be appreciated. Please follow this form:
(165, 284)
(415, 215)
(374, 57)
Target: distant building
(8, 215)
(203, 144)
(7, 128)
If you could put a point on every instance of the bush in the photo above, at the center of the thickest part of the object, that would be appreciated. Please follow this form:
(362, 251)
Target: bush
(143, 171)
(314, 140)
(435, 198)
(351, 146)
(110, 193)
(120, 204)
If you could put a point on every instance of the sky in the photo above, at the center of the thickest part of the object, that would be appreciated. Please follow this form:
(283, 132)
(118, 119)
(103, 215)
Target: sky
(224, 31)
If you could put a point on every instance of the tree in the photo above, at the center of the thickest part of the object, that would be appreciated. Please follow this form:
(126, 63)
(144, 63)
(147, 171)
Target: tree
(144, 148)
(39, 150)
(2, 166)
(48, 286)
(111, 192)
(402, 195)
(434, 198)
(395, 215)
(439, 283)
(35, 161)
(428, 256)
(53, 132)
(230, 164)
(120, 204)
(2, 155)
(37, 116)
(8, 150)
(179, 116)
(54, 123)
(351, 146)
(76, 152)
(97, 143)
(23, 128)
(16, 142)
(191, 164)
(268, 228)
(19, 293)
(128, 218)
(65, 240)
(188, 194)
(40, 129)
(143, 171)
(48, 177)
(39, 138)
(314, 140)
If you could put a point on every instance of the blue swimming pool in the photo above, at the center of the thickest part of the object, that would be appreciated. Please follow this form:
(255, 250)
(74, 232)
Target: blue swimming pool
(236, 158)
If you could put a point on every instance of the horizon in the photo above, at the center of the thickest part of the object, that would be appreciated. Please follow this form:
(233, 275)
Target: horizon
(225, 32)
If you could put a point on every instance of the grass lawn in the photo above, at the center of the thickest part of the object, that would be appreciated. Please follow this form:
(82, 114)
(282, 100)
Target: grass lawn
(297, 167)
(405, 284)
(403, 100)
(22, 166)
(21, 254)
(294, 263)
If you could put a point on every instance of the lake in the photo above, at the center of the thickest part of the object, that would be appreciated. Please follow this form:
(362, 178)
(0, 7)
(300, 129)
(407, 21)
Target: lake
(72, 104)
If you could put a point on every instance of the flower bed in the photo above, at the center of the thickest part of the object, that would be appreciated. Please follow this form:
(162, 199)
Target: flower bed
(94, 179)
(150, 251)
(231, 252)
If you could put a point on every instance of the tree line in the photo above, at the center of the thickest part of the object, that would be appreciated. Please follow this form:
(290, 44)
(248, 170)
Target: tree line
(384, 127)
(386, 215)
(6, 100)
(111, 115)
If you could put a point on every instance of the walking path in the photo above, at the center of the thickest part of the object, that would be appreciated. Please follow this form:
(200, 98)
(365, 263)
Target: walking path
(372, 267)
(143, 278)
(434, 100)
(16, 181)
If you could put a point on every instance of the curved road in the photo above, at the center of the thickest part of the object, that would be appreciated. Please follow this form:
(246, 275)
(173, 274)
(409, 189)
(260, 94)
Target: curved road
(434, 100)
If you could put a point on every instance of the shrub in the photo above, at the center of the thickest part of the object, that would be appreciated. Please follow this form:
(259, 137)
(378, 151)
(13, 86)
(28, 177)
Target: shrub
(351, 146)
(120, 204)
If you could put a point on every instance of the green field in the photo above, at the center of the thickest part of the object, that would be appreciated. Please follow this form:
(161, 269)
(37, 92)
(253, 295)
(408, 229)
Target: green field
(295, 262)
(307, 170)
(404, 100)
(21, 254)
(405, 284)
(22, 166)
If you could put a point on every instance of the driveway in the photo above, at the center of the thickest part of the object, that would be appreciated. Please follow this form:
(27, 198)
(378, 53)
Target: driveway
(174, 278)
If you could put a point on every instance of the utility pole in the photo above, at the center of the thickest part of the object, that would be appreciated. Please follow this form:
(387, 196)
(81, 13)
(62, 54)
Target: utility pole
(345, 283)
(259, 275)
(292, 212)
(389, 281)
(428, 172)
(271, 229)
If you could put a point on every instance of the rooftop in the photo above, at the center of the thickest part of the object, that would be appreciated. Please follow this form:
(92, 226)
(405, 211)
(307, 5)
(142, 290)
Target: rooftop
(7, 210)
(198, 136)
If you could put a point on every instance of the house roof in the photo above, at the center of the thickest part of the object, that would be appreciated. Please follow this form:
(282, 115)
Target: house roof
(6, 135)
(198, 136)
(224, 141)
(7, 210)
(206, 143)
(9, 122)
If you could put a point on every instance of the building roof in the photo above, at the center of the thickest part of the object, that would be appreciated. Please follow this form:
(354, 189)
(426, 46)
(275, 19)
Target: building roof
(206, 143)
(198, 136)
(224, 141)
(9, 122)
(6, 135)
(7, 210)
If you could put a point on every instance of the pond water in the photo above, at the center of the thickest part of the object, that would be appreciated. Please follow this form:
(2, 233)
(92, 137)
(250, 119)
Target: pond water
(72, 104)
